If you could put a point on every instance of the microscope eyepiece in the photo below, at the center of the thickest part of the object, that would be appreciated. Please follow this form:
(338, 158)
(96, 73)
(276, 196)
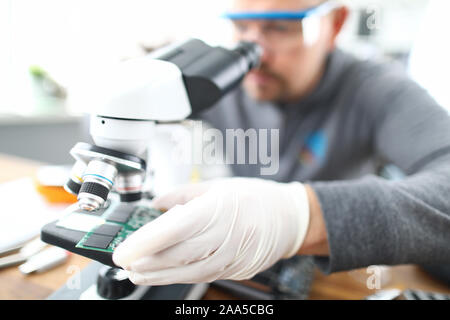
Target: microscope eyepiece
(212, 70)
(251, 52)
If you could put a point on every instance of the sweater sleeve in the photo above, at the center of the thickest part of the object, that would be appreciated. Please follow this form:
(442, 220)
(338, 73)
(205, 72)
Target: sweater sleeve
(377, 221)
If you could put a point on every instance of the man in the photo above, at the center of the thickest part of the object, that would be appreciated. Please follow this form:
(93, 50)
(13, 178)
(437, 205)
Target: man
(340, 119)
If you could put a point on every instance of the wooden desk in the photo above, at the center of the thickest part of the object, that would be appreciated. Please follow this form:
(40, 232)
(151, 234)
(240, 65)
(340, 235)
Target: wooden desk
(15, 285)
(341, 286)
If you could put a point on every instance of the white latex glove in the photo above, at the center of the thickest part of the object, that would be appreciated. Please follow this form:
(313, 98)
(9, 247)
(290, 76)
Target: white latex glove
(230, 228)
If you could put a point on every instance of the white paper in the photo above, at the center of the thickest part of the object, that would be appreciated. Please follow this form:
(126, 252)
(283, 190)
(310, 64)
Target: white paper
(23, 212)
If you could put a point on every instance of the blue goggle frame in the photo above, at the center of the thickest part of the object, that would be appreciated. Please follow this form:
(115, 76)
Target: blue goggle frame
(282, 15)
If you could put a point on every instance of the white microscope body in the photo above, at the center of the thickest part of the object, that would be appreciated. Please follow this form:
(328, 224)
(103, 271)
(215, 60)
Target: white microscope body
(135, 95)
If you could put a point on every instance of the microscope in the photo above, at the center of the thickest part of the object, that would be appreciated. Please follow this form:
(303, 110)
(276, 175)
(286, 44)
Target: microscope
(127, 103)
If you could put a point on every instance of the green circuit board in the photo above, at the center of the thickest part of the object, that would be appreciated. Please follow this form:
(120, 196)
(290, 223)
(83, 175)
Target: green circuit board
(120, 221)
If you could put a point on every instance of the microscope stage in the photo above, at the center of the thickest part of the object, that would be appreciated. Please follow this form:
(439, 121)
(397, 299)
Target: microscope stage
(96, 235)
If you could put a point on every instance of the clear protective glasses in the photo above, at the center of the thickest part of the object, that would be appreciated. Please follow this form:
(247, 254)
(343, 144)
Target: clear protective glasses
(280, 30)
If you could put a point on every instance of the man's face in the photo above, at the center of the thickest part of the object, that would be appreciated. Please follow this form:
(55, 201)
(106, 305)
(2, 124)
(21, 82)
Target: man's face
(290, 69)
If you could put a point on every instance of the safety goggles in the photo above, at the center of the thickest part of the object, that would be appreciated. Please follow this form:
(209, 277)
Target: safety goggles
(279, 29)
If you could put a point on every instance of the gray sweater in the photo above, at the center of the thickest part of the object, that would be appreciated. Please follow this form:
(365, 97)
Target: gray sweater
(361, 117)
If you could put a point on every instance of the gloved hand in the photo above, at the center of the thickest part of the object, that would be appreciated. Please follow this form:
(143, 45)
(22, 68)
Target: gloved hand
(230, 228)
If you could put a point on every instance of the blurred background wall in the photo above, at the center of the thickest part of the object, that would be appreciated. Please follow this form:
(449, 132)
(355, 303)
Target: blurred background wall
(48, 46)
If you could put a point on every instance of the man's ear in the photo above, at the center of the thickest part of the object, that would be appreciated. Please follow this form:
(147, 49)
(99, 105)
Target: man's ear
(339, 16)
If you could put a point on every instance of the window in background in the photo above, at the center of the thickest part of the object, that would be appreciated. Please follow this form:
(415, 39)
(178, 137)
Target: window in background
(382, 29)
(64, 40)
(429, 63)
(5, 55)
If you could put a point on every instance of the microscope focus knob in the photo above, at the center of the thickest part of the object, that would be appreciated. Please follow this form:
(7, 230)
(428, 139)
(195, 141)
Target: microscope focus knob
(113, 284)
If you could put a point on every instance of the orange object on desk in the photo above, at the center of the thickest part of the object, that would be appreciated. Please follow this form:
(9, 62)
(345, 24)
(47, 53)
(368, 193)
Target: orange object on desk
(55, 194)
(49, 182)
